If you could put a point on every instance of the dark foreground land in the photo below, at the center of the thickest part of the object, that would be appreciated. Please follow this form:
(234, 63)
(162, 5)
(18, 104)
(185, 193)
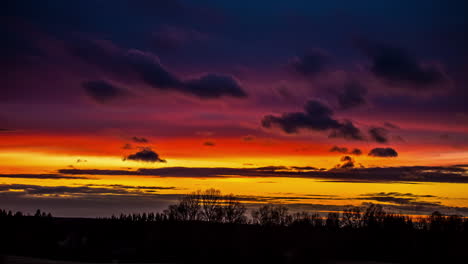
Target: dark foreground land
(141, 240)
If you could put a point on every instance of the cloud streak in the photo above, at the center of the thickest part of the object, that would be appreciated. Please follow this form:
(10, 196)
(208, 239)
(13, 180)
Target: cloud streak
(41, 176)
(377, 174)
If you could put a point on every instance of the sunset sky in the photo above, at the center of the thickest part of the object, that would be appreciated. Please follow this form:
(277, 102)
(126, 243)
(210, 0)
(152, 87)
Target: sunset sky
(122, 106)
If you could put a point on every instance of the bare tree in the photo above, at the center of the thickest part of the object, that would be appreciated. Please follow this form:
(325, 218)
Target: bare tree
(352, 218)
(272, 215)
(234, 211)
(188, 208)
(211, 205)
(374, 216)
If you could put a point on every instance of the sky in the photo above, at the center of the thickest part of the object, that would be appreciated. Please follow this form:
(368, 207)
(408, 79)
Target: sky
(123, 106)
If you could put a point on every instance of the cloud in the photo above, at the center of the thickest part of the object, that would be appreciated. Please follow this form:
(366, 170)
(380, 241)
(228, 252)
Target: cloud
(400, 198)
(102, 91)
(310, 64)
(214, 86)
(145, 155)
(209, 144)
(390, 174)
(5, 130)
(140, 140)
(316, 117)
(353, 95)
(127, 146)
(40, 176)
(375, 174)
(146, 67)
(79, 190)
(347, 163)
(347, 130)
(339, 149)
(345, 150)
(383, 152)
(396, 67)
(398, 194)
(379, 134)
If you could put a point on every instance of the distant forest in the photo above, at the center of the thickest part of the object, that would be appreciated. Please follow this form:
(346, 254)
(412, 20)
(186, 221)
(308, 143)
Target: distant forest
(206, 226)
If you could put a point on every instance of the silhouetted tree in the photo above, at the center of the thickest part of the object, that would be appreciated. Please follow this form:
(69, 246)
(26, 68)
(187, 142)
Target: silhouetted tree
(333, 221)
(210, 205)
(271, 215)
(234, 211)
(374, 216)
(188, 208)
(352, 218)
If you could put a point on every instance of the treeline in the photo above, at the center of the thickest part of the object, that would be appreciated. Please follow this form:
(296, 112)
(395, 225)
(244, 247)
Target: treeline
(208, 227)
(9, 213)
(214, 207)
(211, 206)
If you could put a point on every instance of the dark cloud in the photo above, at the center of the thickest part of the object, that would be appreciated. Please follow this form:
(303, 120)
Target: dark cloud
(379, 134)
(400, 198)
(85, 189)
(347, 163)
(40, 176)
(346, 158)
(145, 155)
(209, 144)
(316, 117)
(399, 194)
(347, 130)
(352, 95)
(356, 152)
(383, 152)
(339, 149)
(140, 140)
(102, 54)
(345, 150)
(5, 130)
(127, 146)
(304, 168)
(214, 86)
(146, 67)
(102, 91)
(397, 67)
(311, 64)
(407, 174)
